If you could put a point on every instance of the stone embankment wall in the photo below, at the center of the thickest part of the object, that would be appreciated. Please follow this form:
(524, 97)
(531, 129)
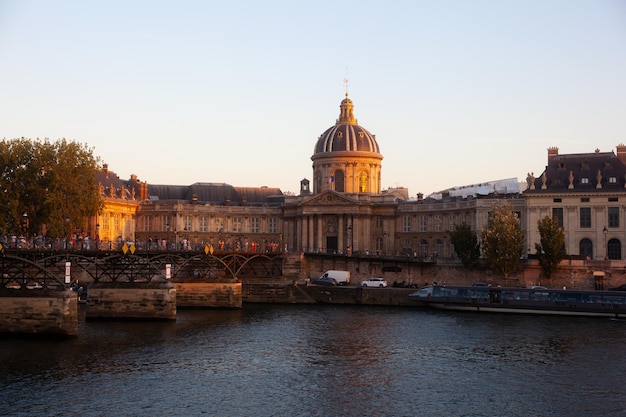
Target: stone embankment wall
(209, 294)
(119, 300)
(573, 274)
(38, 311)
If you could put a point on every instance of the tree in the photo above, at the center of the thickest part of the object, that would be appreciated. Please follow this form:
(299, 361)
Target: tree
(48, 183)
(502, 240)
(551, 250)
(465, 244)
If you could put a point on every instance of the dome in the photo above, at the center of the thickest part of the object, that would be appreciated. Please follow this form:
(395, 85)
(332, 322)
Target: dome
(346, 135)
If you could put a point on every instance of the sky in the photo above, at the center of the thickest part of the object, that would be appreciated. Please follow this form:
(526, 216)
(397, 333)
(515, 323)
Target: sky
(177, 92)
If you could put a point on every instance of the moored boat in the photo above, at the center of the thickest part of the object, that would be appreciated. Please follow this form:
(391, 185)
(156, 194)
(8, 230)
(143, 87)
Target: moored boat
(523, 300)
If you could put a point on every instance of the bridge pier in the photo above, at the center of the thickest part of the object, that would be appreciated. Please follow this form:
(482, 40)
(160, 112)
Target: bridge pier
(39, 311)
(132, 300)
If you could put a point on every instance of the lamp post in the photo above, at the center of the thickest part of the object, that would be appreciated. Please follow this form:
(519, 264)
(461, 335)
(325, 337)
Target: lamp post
(606, 243)
(97, 236)
(25, 225)
(67, 231)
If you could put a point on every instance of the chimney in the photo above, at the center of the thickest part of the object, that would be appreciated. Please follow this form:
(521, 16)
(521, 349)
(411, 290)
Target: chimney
(420, 197)
(621, 152)
(553, 151)
(105, 169)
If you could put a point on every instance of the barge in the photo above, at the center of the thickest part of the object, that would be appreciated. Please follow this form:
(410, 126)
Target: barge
(523, 300)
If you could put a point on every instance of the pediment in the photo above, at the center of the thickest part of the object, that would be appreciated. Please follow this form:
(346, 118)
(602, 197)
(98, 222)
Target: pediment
(329, 198)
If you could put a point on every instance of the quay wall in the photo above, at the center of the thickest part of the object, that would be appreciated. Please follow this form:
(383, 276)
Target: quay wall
(573, 274)
(138, 301)
(41, 312)
(208, 294)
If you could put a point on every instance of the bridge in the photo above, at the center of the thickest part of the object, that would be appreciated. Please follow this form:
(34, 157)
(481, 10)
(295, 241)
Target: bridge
(57, 270)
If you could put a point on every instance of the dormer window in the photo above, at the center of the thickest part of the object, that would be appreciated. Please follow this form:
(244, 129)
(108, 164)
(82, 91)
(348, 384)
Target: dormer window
(584, 180)
(361, 134)
(612, 180)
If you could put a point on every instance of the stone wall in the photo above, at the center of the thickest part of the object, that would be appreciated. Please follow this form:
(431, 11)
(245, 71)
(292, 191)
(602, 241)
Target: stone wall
(139, 301)
(42, 312)
(209, 294)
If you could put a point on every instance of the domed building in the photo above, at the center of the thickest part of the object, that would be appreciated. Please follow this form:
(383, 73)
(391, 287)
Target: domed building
(347, 212)
(346, 157)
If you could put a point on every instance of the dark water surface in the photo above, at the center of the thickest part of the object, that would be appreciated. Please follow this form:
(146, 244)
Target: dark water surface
(292, 360)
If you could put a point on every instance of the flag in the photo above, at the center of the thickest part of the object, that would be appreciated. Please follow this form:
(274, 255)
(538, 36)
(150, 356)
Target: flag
(330, 180)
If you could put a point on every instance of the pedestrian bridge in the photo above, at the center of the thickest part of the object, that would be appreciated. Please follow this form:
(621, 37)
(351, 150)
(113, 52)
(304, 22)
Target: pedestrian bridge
(55, 270)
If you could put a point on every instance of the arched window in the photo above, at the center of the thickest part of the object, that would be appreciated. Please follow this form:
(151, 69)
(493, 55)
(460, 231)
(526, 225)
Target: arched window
(340, 181)
(363, 181)
(585, 248)
(614, 247)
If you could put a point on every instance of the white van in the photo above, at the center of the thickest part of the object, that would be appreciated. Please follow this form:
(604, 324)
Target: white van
(342, 277)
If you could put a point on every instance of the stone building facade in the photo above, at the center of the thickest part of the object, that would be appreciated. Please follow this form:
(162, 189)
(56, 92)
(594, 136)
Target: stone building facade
(345, 211)
(587, 193)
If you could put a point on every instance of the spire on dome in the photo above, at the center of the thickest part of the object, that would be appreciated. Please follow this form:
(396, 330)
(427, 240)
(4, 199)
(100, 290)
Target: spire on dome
(347, 112)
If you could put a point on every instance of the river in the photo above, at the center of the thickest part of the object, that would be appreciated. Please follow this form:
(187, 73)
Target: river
(321, 360)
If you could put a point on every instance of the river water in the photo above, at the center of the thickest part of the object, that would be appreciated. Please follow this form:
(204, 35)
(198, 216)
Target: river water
(321, 360)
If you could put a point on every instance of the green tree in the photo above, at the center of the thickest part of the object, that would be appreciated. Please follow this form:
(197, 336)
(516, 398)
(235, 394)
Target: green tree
(502, 240)
(551, 250)
(49, 182)
(465, 244)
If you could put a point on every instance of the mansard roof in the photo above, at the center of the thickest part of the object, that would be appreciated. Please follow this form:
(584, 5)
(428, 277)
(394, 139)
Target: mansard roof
(217, 193)
(585, 172)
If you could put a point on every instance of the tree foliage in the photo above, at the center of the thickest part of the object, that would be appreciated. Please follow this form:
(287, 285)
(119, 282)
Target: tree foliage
(50, 182)
(551, 250)
(502, 240)
(465, 243)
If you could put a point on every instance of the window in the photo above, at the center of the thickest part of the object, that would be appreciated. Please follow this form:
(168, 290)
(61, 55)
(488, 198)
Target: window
(105, 221)
(438, 223)
(273, 225)
(451, 222)
(612, 180)
(423, 224)
(146, 223)
(363, 182)
(254, 225)
(557, 200)
(236, 224)
(204, 224)
(406, 223)
(613, 216)
(340, 182)
(585, 217)
(584, 200)
(585, 248)
(614, 248)
(378, 222)
(584, 180)
(165, 223)
(558, 213)
(188, 223)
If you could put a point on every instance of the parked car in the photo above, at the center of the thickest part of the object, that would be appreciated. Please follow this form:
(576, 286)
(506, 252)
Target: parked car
(324, 281)
(374, 282)
(620, 288)
(538, 287)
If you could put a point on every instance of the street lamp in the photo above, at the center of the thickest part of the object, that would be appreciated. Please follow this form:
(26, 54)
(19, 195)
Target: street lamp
(606, 243)
(97, 236)
(67, 231)
(25, 224)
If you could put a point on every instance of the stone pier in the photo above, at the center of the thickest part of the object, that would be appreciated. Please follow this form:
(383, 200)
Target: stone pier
(136, 301)
(39, 312)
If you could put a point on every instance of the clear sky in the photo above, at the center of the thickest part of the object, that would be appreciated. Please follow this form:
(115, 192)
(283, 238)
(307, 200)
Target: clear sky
(177, 92)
